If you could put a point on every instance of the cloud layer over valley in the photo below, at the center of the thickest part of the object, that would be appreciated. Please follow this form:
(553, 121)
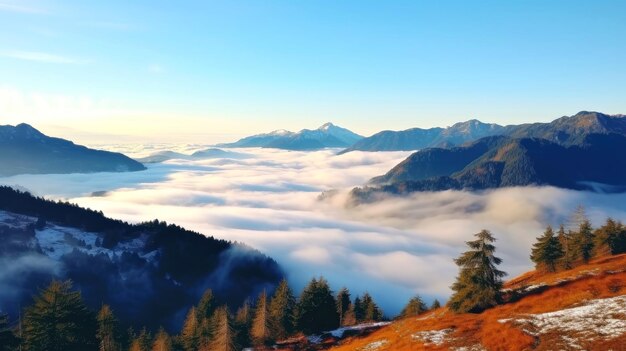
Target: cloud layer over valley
(394, 248)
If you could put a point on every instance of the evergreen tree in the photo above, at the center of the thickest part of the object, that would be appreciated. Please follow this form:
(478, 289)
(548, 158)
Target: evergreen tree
(343, 304)
(142, 342)
(359, 310)
(372, 312)
(224, 336)
(206, 306)
(204, 312)
(8, 340)
(583, 241)
(547, 251)
(281, 311)
(162, 341)
(108, 330)
(566, 244)
(435, 305)
(59, 320)
(317, 308)
(610, 239)
(349, 317)
(190, 335)
(260, 331)
(479, 282)
(414, 307)
(243, 324)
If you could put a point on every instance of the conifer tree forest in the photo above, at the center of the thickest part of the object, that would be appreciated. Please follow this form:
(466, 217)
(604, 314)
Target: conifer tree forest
(58, 319)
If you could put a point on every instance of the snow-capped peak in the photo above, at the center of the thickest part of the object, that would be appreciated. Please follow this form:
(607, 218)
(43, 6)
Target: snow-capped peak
(326, 126)
(281, 132)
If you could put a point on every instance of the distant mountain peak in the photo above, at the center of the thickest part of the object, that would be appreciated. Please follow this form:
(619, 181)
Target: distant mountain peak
(281, 132)
(328, 135)
(326, 126)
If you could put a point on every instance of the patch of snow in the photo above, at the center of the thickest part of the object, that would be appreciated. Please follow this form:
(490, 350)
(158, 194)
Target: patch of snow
(534, 287)
(601, 318)
(339, 332)
(374, 345)
(476, 347)
(434, 337)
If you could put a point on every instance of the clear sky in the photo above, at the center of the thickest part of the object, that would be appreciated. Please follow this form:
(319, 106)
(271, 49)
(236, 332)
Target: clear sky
(208, 71)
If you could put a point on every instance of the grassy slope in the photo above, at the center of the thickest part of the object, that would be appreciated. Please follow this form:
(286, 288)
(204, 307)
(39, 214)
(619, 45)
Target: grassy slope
(539, 293)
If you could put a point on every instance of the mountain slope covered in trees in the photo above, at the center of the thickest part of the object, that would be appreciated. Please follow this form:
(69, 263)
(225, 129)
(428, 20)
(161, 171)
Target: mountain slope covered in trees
(25, 150)
(134, 268)
(495, 162)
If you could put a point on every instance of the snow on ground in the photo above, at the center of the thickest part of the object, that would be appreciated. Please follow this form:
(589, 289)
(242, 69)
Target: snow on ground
(601, 318)
(339, 332)
(374, 345)
(12, 220)
(56, 241)
(436, 337)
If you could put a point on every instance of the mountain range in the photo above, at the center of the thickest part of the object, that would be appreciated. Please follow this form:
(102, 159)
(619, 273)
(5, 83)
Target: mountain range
(133, 267)
(564, 130)
(25, 150)
(326, 136)
(577, 152)
(418, 138)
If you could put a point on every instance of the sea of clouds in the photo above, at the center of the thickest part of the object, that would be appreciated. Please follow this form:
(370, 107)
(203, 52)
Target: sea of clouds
(268, 199)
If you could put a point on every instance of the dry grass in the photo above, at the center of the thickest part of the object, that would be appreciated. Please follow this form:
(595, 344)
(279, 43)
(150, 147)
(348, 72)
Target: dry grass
(601, 278)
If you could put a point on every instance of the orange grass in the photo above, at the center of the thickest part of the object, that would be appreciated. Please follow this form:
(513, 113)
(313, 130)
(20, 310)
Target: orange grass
(601, 278)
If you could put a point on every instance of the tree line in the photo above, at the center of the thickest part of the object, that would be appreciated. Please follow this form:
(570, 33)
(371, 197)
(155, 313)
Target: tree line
(479, 283)
(59, 320)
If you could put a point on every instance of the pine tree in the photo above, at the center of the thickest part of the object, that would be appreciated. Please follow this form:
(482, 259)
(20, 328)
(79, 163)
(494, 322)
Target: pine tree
(566, 244)
(8, 340)
(479, 282)
(206, 305)
(162, 341)
(343, 304)
(224, 336)
(583, 241)
(260, 331)
(190, 335)
(108, 330)
(435, 305)
(349, 317)
(59, 320)
(610, 239)
(359, 310)
(317, 308)
(281, 312)
(204, 311)
(414, 307)
(243, 324)
(371, 309)
(547, 251)
(142, 342)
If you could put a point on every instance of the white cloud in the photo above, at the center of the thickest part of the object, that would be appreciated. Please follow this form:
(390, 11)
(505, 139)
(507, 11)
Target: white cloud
(393, 249)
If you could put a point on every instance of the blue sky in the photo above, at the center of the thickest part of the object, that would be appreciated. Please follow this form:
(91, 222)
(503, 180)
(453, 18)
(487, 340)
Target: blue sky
(212, 70)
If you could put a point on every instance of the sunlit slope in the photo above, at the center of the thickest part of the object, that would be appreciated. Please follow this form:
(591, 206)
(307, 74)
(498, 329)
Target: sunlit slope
(580, 309)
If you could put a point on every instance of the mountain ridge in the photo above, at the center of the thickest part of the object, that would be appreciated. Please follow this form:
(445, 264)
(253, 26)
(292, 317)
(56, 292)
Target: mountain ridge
(25, 150)
(565, 130)
(326, 136)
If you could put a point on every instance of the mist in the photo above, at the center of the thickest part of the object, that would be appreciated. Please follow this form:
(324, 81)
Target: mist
(393, 248)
